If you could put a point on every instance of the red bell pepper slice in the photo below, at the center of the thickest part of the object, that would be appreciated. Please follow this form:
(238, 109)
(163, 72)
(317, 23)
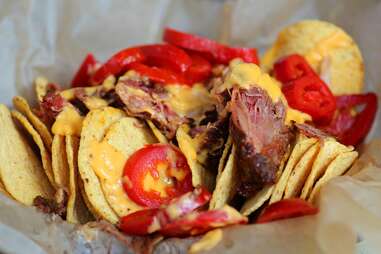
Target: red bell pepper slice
(157, 74)
(166, 56)
(287, 208)
(312, 96)
(291, 67)
(199, 71)
(156, 174)
(221, 54)
(352, 129)
(151, 220)
(85, 71)
(117, 64)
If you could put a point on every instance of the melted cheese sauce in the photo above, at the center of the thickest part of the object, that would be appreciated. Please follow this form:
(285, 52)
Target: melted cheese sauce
(68, 122)
(108, 165)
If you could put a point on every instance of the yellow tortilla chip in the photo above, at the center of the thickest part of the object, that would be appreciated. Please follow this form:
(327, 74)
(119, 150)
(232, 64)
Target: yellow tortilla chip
(162, 139)
(225, 155)
(329, 50)
(302, 145)
(3, 190)
(330, 148)
(255, 202)
(300, 172)
(200, 176)
(59, 162)
(94, 128)
(41, 87)
(22, 105)
(126, 136)
(226, 183)
(20, 169)
(336, 168)
(45, 155)
(76, 209)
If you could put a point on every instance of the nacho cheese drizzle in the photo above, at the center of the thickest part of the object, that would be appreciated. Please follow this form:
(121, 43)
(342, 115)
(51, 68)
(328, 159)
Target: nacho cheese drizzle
(68, 122)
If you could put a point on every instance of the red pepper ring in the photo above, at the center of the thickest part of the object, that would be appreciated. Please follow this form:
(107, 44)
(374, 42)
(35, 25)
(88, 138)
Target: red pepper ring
(286, 208)
(291, 67)
(157, 74)
(200, 69)
(85, 71)
(312, 96)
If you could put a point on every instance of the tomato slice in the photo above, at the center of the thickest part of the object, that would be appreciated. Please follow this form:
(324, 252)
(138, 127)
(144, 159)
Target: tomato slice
(156, 174)
(286, 208)
(83, 75)
(151, 220)
(157, 74)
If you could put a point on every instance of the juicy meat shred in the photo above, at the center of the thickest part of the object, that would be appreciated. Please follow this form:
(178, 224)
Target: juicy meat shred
(260, 136)
(145, 102)
(52, 206)
(50, 106)
(311, 131)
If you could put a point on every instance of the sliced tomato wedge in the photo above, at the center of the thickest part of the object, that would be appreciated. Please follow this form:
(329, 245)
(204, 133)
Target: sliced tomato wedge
(85, 71)
(286, 208)
(151, 220)
(196, 223)
(156, 74)
(156, 174)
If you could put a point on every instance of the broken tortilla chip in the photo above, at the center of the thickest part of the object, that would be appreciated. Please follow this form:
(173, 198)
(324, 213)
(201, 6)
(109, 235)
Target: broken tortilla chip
(22, 105)
(255, 202)
(330, 148)
(41, 87)
(336, 168)
(21, 171)
(45, 155)
(302, 145)
(162, 139)
(59, 162)
(225, 155)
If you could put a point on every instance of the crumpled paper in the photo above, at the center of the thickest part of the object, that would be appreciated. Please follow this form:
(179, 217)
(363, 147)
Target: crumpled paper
(51, 37)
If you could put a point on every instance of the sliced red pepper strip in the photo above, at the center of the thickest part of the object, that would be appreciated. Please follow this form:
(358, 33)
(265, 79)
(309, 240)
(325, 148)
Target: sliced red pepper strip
(157, 74)
(151, 220)
(352, 129)
(85, 71)
(199, 71)
(221, 54)
(166, 56)
(291, 67)
(196, 223)
(312, 96)
(117, 64)
(287, 208)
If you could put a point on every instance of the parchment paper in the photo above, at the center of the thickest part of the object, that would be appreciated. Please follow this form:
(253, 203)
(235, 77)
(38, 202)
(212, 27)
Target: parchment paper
(51, 37)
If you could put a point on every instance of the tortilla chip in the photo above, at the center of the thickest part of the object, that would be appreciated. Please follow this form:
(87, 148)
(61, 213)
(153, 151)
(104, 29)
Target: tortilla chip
(300, 172)
(336, 168)
(225, 155)
(162, 139)
(302, 145)
(22, 105)
(330, 51)
(370, 155)
(41, 87)
(94, 128)
(77, 211)
(127, 136)
(255, 202)
(20, 169)
(200, 176)
(226, 183)
(60, 162)
(45, 155)
(3, 190)
(330, 148)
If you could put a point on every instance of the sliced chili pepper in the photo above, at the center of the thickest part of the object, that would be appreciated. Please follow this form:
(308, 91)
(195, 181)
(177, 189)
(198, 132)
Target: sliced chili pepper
(200, 69)
(166, 56)
(117, 64)
(221, 54)
(312, 96)
(291, 67)
(150, 220)
(85, 71)
(286, 208)
(156, 174)
(157, 74)
(349, 127)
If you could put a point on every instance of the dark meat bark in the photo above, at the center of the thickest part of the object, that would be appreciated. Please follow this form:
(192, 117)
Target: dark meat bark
(260, 136)
(145, 102)
(53, 206)
(311, 131)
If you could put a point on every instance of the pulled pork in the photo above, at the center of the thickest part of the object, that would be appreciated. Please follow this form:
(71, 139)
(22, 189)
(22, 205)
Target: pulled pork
(260, 136)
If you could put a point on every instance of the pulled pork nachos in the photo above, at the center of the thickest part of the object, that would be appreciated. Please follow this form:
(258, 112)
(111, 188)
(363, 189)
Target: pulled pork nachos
(189, 135)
